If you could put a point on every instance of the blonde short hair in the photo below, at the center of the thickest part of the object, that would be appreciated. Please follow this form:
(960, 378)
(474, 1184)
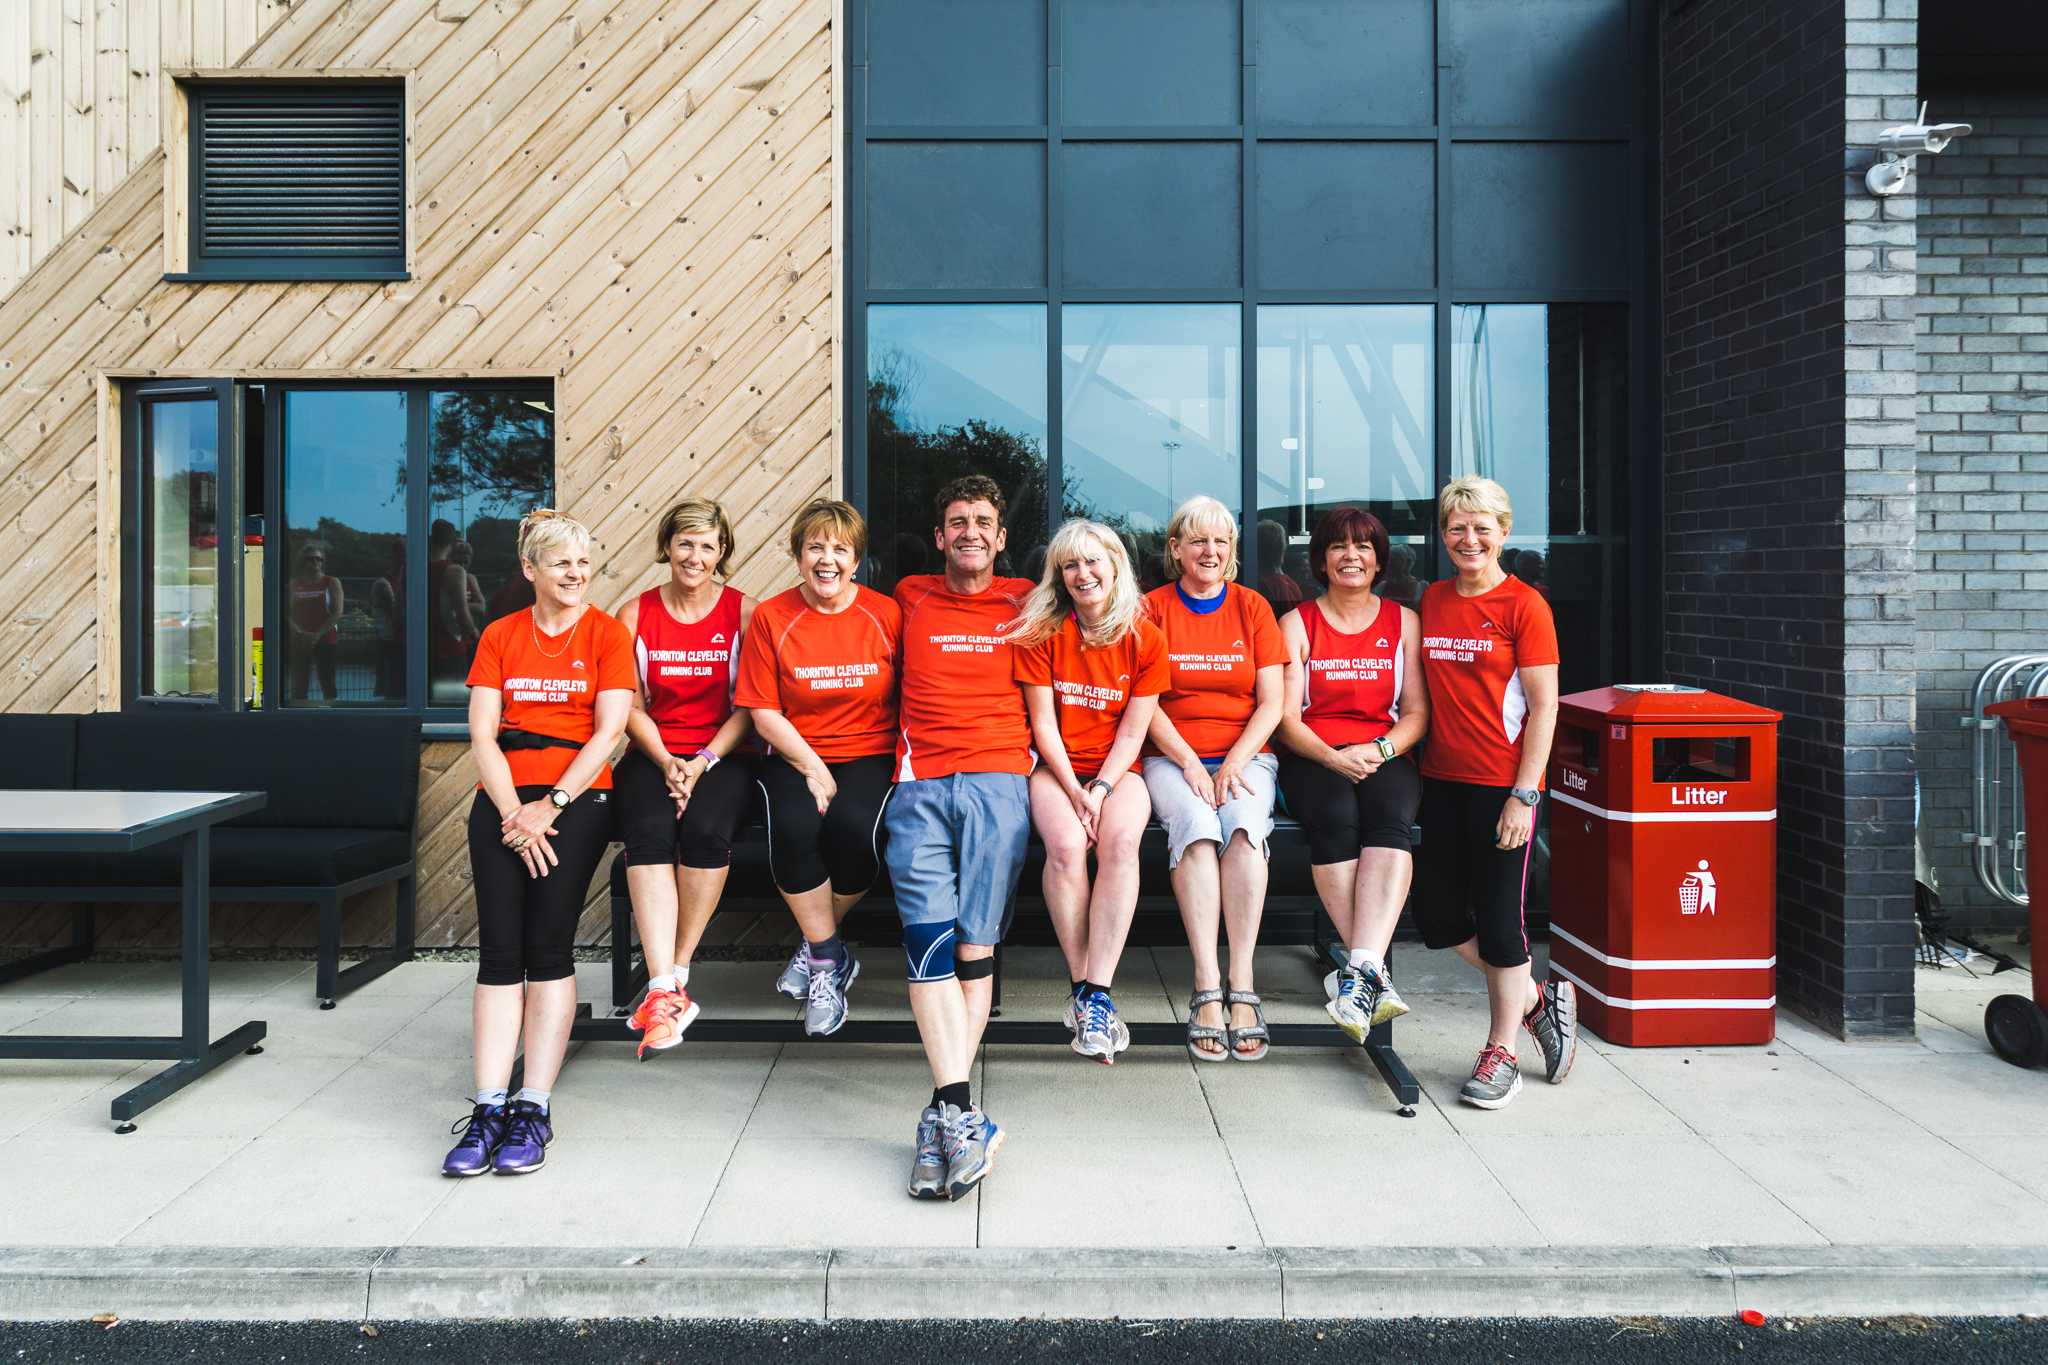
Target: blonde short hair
(696, 514)
(1474, 494)
(1049, 604)
(544, 528)
(822, 515)
(1199, 513)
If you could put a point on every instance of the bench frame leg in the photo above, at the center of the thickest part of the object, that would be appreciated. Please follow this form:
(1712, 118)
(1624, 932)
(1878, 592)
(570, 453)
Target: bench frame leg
(78, 950)
(330, 981)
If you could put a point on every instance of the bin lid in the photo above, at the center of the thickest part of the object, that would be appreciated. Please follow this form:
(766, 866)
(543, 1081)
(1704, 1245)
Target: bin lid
(1643, 705)
(2026, 716)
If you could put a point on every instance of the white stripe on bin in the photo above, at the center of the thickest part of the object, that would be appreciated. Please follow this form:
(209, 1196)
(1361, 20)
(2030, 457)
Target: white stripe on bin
(1670, 964)
(1621, 1004)
(1659, 817)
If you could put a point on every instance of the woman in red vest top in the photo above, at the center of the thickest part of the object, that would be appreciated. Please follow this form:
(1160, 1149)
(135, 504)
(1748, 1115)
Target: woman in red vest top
(316, 609)
(688, 780)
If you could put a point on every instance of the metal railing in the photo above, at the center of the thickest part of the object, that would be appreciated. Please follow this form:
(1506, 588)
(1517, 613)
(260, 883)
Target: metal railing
(1995, 802)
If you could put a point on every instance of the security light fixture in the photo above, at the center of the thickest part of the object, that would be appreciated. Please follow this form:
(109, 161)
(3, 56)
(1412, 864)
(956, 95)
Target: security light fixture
(1901, 144)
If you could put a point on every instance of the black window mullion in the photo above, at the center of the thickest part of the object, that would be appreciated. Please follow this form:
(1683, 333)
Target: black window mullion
(134, 502)
(230, 633)
(418, 517)
(1248, 311)
(1055, 265)
(273, 549)
(1444, 311)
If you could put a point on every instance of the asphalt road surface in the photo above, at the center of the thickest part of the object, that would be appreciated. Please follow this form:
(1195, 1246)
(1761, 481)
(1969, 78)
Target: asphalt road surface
(1607, 1341)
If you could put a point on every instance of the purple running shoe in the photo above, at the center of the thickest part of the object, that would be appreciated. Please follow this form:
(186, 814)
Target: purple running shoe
(527, 1134)
(481, 1134)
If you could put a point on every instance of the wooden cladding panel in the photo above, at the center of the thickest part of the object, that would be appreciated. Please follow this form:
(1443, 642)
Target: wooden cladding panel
(638, 203)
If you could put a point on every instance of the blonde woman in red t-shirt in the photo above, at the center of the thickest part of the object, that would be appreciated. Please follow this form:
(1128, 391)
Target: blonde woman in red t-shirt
(1092, 668)
(1490, 654)
(548, 697)
(1210, 770)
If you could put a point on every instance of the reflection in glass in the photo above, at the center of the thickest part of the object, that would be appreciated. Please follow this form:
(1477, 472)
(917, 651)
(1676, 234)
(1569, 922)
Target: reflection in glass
(343, 594)
(953, 389)
(1346, 415)
(1152, 416)
(491, 455)
(180, 441)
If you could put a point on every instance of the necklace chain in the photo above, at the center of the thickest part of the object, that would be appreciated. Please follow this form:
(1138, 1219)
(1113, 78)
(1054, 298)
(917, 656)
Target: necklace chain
(533, 623)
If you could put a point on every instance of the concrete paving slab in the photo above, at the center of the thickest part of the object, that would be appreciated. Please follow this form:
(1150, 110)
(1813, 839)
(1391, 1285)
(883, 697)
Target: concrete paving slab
(850, 1090)
(1503, 1281)
(357, 1191)
(94, 1189)
(769, 1195)
(1066, 1189)
(558, 1282)
(1296, 1090)
(1918, 1187)
(34, 1088)
(1729, 1092)
(1045, 1091)
(1636, 1190)
(362, 1100)
(188, 1284)
(1597, 1098)
(2021, 1160)
(595, 1191)
(1949, 1095)
(73, 979)
(1074, 1283)
(243, 1098)
(692, 1090)
(1415, 1188)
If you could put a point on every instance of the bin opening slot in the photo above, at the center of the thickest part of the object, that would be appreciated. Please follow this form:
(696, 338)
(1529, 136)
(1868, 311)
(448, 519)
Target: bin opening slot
(1582, 746)
(1700, 758)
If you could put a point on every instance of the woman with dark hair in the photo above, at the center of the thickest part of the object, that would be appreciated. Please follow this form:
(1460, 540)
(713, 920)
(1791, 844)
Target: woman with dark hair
(1355, 705)
(687, 782)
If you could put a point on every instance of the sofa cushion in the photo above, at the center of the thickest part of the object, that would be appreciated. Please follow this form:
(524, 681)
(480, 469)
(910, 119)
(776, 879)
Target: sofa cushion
(321, 769)
(241, 857)
(41, 752)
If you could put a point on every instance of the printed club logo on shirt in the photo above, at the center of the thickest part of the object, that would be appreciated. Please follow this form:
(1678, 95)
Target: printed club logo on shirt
(837, 677)
(545, 689)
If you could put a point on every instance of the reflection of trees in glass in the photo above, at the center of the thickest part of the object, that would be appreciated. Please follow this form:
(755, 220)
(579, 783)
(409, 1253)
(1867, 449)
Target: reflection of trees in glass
(910, 465)
(491, 448)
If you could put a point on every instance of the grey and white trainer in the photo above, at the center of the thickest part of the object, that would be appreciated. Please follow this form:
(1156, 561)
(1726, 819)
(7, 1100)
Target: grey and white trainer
(1390, 1005)
(972, 1140)
(825, 1006)
(1349, 1007)
(795, 981)
(1495, 1080)
(928, 1172)
(1554, 1023)
(1103, 1032)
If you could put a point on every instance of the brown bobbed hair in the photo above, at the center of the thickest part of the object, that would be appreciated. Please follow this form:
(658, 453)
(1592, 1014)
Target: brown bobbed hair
(696, 514)
(1340, 526)
(828, 515)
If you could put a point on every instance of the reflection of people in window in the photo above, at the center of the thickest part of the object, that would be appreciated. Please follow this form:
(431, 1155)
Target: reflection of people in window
(451, 629)
(462, 553)
(1530, 568)
(1399, 585)
(316, 609)
(1282, 593)
(515, 595)
(387, 613)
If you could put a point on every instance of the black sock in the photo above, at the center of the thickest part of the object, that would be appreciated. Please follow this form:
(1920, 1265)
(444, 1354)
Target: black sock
(828, 950)
(955, 1094)
(1090, 988)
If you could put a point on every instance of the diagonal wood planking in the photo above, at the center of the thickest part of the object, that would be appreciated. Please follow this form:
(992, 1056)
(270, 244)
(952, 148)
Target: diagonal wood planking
(636, 201)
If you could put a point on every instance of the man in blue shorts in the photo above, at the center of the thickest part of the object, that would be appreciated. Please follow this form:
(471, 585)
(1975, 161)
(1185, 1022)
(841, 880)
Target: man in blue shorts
(959, 819)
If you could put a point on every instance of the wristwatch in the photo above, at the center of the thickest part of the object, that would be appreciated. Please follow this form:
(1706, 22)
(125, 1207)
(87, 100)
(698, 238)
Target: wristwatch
(558, 798)
(1528, 796)
(1094, 782)
(710, 759)
(1386, 747)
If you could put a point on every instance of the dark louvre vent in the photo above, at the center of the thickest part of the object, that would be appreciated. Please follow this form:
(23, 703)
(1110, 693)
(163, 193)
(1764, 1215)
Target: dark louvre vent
(299, 183)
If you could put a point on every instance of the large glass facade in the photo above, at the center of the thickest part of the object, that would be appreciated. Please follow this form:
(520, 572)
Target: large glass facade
(181, 491)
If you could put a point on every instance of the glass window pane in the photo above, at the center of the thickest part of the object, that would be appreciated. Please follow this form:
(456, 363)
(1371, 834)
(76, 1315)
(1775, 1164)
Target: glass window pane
(180, 443)
(343, 571)
(1346, 415)
(1347, 61)
(1153, 62)
(953, 389)
(491, 456)
(1152, 215)
(1560, 63)
(956, 61)
(956, 215)
(1152, 415)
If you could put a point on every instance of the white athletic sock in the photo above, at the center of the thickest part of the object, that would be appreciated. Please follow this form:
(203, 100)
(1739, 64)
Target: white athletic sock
(682, 976)
(1362, 961)
(539, 1097)
(490, 1096)
(663, 983)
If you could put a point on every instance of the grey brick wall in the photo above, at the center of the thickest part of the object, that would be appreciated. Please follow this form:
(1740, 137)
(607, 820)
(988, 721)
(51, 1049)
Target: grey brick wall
(1788, 456)
(1983, 443)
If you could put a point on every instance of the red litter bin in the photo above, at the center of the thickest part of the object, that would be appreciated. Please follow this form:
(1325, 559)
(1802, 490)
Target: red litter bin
(2017, 1026)
(1663, 864)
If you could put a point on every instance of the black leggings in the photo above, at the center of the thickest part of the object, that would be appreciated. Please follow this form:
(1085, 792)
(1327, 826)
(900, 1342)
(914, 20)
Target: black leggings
(1463, 884)
(319, 657)
(702, 836)
(804, 847)
(526, 925)
(1342, 816)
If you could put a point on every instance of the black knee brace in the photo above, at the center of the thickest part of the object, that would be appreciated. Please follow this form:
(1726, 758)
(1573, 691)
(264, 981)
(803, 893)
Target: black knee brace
(974, 968)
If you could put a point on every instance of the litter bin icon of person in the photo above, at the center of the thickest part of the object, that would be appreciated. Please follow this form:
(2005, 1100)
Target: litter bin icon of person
(1696, 892)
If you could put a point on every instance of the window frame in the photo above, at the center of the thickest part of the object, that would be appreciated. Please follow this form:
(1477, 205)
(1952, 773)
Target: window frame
(182, 260)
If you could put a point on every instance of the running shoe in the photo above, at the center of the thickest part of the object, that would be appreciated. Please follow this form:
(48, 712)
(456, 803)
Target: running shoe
(1351, 1008)
(1332, 982)
(972, 1140)
(1072, 1018)
(1391, 1005)
(1102, 1032)
(479, 1137)
(661, 1019)
(928, 1172)
(528, 1131)
(1495, 1080)
(795, 981)
(825, 1007)
(1554, 1023)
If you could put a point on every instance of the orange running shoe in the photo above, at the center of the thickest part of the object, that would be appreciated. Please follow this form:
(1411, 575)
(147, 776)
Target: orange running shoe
(661, 1019)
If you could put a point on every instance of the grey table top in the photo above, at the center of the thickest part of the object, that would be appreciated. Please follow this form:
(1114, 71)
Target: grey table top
(108, 812)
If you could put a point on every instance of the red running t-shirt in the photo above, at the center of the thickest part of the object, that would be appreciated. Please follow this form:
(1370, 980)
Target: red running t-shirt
(961, 712)
(1351, 684)
(832, 674)
(1215, 662)
(551, 685)
(687, 671)
(1472, 651)
(1091, 687)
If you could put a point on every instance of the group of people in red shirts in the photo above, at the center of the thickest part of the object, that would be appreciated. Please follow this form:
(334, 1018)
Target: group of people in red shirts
(936, 728)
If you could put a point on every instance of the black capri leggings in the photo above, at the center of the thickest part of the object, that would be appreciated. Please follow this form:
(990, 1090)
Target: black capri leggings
(1463, 884)
(702, 836)
(526, 925)
(1342, 816)
(804, 847)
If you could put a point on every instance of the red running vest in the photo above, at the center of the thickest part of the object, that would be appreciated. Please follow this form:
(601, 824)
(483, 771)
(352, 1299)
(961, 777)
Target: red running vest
(1352, 687)
(688, 671)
